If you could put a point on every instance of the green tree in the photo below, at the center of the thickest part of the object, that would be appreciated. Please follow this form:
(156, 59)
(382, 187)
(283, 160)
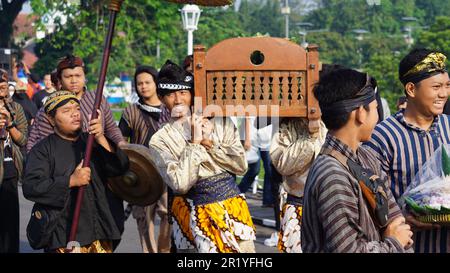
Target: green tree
(428, 10)
(217, 25)
(141, 26)
(437, 37)
(335, 48)
(262, 17)
(384, 67)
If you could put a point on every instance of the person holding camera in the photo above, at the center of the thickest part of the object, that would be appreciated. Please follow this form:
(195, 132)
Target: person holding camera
(13, 136)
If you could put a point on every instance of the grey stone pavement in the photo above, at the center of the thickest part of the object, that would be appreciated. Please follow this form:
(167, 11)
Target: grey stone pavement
(262, 217)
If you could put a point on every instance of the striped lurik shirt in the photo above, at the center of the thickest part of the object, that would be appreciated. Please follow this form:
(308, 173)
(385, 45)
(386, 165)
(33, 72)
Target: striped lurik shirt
(336, 217)
(402, 149)
(139, 124)
(41, 127)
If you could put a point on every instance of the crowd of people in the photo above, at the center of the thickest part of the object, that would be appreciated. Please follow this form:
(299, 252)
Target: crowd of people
(320, 185)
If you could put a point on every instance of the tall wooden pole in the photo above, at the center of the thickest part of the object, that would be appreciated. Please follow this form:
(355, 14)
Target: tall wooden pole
(114, 8)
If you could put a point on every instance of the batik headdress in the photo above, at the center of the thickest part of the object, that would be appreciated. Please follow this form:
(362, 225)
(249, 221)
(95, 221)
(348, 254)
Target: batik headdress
(58, 99)
(432, 64)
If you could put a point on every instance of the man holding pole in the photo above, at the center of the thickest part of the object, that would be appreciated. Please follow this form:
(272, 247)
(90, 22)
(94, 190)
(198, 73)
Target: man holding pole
(53, 172)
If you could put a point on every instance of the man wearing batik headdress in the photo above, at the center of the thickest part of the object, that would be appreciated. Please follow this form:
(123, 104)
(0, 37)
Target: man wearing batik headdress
(406, 140)
(71, 75)
(197, 164)
(53, 173)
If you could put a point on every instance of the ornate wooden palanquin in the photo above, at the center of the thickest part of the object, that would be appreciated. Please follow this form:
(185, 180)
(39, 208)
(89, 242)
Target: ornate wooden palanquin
(259, 73)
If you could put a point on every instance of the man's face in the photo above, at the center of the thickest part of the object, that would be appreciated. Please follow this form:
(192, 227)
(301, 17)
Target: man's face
(178, 103)
(73, 79)
(48, 81)
(4, 89)
(146, 86)
(431, 94)
(67, 119)
(371, 119)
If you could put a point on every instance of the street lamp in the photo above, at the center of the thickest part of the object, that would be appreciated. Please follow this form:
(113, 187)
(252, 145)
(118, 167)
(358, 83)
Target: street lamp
(303, 31)
(190, 14)
(286, 10)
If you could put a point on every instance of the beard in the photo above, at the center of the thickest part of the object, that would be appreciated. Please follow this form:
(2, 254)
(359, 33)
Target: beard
(75, 133)
(69, 134)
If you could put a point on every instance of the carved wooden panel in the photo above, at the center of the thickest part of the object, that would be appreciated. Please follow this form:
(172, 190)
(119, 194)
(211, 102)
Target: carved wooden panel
(258, 71)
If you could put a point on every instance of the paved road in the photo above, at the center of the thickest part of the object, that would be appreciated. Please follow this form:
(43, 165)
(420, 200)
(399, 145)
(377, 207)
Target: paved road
(130, 240)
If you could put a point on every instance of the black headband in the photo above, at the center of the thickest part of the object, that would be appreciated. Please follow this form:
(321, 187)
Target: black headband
(364, 96)
(172, 78)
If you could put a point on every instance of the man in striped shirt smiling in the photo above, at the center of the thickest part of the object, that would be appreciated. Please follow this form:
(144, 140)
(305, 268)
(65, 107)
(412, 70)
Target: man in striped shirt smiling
(337, 215)
(406, 140)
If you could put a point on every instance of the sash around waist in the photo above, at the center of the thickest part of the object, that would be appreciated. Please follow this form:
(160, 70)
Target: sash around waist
(213, 189)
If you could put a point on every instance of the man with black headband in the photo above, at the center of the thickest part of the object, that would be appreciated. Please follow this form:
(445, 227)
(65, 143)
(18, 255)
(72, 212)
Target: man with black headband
(405, 141)
(139, 122)
(292, 151)
(54, 172)
(338, 212)
(209, 212)
(13, 136)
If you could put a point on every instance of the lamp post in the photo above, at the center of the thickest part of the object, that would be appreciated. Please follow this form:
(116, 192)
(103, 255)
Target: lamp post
(360, 36)
(286, 11)
(190, 14)
(303, 32)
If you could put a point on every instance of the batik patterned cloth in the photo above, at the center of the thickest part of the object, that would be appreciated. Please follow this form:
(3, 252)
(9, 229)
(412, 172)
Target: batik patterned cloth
(209, 211)
(98, 246)
(215, 226)
(289, 237)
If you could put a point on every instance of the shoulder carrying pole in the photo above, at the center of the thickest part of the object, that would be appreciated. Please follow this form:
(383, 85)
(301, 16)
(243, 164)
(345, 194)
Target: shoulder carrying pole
(114, 8)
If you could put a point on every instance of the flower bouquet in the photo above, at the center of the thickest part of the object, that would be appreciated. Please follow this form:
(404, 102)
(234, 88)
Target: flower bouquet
(428, 196)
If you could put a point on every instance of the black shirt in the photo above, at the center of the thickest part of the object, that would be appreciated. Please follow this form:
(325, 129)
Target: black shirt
(49, 166)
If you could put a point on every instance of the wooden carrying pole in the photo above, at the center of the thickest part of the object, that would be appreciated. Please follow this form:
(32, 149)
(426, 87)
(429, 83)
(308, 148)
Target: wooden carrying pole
(114, 8)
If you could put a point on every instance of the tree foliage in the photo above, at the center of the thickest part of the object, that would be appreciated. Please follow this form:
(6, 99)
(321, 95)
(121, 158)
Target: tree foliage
(142, 25)
(381, 49)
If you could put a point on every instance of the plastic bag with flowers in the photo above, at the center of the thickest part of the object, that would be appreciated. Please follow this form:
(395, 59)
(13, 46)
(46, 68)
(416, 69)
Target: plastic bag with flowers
(428, 196)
